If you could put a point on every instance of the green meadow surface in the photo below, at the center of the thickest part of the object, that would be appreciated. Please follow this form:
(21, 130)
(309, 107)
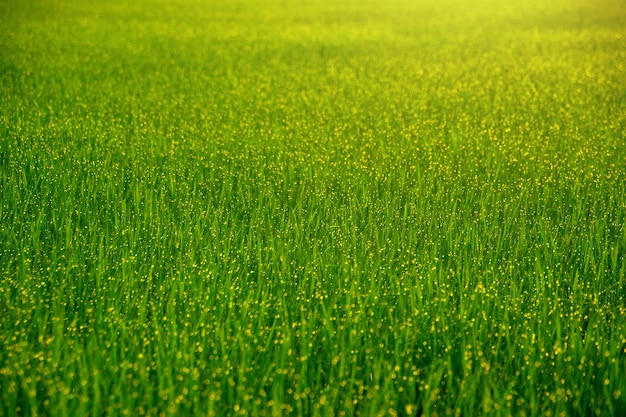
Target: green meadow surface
(324, 207)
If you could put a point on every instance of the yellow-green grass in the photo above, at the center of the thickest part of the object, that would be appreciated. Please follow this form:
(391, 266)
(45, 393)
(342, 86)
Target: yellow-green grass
(312, 207)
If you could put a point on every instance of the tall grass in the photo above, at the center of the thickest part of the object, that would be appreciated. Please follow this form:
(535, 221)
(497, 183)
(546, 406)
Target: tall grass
(327, 208)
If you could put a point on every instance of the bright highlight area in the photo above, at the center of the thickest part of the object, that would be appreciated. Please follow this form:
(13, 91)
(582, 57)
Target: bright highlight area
(313, 208)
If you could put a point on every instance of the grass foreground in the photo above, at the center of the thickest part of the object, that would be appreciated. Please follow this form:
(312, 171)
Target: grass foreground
(348, 208)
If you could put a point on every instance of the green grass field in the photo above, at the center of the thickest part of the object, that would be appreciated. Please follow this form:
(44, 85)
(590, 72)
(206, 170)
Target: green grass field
(324, 207)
